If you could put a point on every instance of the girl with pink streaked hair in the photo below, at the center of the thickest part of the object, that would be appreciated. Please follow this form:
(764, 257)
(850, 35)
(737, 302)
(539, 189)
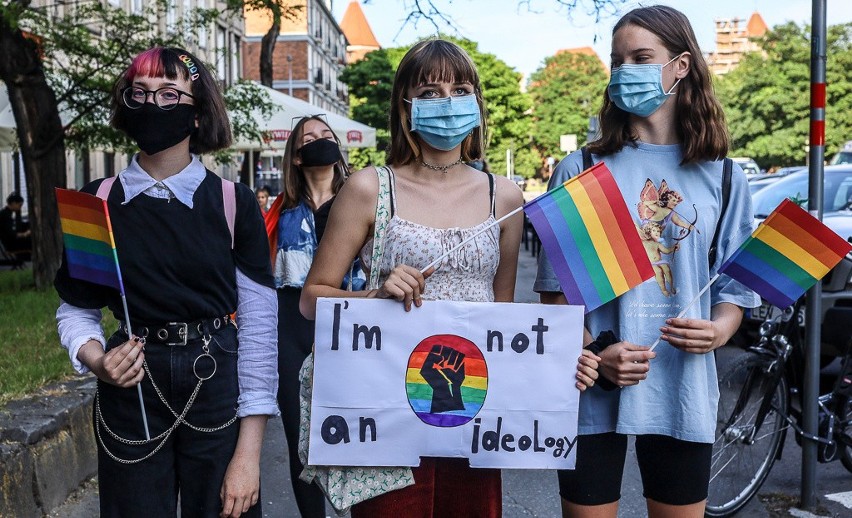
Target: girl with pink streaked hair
(193, 252)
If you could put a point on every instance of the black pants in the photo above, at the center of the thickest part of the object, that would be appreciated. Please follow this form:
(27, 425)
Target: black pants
(295, 338)
(191, 464)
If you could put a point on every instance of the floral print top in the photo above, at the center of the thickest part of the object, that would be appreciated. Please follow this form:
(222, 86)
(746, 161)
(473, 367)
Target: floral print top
(466, 274)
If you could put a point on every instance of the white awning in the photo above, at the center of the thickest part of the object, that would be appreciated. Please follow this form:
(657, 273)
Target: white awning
(287, 108)
(8, 137)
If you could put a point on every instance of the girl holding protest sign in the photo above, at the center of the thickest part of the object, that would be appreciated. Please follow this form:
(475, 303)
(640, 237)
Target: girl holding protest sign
(433, 201)
(187, 266)
(314, 172)
(663, 137)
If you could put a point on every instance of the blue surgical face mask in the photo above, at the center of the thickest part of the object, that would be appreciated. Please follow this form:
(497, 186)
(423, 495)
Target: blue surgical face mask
(638, 89)
(444, 123)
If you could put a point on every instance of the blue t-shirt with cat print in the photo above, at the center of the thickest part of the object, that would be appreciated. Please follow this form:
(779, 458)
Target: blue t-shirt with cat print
(675, 208)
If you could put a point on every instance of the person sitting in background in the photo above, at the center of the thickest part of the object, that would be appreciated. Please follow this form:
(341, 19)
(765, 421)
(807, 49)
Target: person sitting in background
(15, 234)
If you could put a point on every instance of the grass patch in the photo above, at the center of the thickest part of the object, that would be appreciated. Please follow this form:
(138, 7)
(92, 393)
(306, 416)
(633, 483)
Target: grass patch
(30, 354)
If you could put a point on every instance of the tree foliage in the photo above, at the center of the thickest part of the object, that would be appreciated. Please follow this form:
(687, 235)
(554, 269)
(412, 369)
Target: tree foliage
(68, 64)
(566, 91)
(767, 97)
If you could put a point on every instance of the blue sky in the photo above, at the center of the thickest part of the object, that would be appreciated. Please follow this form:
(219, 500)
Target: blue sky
(523, 33)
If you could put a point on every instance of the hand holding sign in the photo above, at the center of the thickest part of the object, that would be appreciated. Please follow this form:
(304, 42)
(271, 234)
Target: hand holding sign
(443, 369)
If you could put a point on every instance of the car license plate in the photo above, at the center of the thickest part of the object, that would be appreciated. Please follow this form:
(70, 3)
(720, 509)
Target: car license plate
(767, 311)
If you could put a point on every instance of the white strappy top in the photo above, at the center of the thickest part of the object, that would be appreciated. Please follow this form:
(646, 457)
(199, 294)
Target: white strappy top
(467, 274)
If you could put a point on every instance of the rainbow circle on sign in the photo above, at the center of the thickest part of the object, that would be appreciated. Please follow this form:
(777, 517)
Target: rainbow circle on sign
(446, 380)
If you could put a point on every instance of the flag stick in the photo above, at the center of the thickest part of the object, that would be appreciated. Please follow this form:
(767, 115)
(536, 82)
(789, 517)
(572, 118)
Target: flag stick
(691, 303)
(127, 322)
(466, 240)
(138, 385)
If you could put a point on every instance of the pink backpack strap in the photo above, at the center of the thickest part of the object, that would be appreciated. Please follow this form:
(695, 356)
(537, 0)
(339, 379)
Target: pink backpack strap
(229, 197)
(105, 187)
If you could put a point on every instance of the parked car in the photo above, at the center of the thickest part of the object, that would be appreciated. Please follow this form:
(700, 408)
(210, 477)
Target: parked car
(757, 182)
(837, 193)
(749, 166)
(844, 156)
(520, 181)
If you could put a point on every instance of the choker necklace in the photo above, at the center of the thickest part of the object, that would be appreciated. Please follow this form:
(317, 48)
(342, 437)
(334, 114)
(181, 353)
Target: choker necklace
(441, 168)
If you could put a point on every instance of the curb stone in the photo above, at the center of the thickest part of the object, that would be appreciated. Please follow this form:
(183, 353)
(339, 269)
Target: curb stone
(47, 447)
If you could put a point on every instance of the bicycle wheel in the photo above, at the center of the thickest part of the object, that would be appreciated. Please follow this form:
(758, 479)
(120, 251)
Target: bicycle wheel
(742, 454)
(846, 454)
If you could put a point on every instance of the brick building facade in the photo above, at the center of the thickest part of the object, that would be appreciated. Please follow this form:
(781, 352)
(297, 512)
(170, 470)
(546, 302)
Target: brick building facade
(733, 40)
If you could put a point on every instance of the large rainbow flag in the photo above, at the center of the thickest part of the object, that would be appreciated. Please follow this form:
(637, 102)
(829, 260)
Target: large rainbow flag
(89, 243)
(787, 254)
(590, 238)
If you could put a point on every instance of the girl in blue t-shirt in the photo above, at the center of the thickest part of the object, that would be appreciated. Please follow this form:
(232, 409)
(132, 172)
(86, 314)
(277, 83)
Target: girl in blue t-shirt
(663, 136)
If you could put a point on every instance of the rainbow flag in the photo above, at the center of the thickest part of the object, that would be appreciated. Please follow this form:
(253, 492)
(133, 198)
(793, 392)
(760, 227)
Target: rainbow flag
(590, 238)
(787, 254)
(89, 243)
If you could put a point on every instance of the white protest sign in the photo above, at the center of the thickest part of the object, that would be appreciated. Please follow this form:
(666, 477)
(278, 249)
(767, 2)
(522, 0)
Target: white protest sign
(493, 382)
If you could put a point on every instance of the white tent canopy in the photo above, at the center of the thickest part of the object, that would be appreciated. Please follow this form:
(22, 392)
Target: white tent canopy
(8, 126)
(287, 108)
(8, 138)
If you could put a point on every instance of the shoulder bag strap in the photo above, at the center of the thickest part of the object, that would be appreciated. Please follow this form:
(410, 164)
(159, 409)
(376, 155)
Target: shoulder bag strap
(727, 169)
(105, 187)
(587, 157)
(383, 216)
(229, 198)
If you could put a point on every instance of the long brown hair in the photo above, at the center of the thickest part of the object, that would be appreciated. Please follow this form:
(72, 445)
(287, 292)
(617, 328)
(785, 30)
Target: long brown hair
(295, 187)
(699, 117)
(214, 128)
(432, 61)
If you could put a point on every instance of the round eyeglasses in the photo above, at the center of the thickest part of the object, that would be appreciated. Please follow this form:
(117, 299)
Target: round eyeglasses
(165, 98)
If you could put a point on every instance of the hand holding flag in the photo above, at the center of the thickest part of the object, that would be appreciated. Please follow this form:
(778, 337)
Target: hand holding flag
(90, 250)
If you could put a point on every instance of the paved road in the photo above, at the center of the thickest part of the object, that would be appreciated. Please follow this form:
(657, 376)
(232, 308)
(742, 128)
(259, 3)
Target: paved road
(534, 493)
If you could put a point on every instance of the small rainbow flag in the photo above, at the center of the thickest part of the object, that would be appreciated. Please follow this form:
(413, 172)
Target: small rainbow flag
(787, 254)
(89, 243)
(590, 238)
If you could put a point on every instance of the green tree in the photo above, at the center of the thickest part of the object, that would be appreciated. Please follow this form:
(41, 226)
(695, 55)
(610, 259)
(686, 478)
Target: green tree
(767, 97)
(370, 81)
(509, 120)
(566, 91)
(72, 61)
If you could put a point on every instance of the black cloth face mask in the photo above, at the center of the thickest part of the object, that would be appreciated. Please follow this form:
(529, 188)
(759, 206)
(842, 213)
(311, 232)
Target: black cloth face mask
(155, 129)
(320, 152)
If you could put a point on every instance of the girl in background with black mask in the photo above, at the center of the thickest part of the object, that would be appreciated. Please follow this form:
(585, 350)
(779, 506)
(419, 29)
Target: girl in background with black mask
(313, 173)
(186, 268)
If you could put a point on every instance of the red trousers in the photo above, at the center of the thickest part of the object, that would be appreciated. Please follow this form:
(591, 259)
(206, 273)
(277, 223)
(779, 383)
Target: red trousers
(442, 488)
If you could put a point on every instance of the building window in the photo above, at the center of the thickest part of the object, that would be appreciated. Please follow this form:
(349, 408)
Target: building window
(136, 6)
(235, 59)
(221, 54)
(171, 16)
(109, 165)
